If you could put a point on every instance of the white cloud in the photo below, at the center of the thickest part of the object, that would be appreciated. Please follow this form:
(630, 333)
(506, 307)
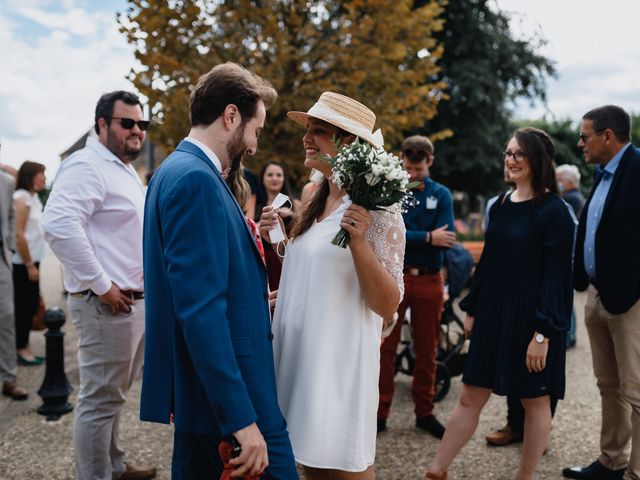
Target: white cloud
(594, 51)
(73, 20)
(49, 92)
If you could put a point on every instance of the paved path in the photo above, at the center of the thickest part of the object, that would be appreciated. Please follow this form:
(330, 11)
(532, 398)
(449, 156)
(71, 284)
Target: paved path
(32, 448)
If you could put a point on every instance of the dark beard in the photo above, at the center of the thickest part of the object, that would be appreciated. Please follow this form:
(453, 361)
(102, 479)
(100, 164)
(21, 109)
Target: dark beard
(236, 147)
(121, 150)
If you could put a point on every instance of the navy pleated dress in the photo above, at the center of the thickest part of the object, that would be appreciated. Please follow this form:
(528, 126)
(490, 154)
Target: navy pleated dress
(522, 285)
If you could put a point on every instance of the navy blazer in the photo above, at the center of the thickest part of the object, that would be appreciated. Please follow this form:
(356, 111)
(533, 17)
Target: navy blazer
(208, 352)
(617, 239)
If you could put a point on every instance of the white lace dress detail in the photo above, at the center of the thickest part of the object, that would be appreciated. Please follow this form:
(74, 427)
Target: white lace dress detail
(386, 236)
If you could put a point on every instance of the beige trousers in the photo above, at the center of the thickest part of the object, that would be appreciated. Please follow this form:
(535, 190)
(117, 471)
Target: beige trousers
(615, 350)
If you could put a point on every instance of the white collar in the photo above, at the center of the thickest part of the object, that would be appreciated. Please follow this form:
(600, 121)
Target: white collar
(213, 158)
(102, 150)
(106, 154)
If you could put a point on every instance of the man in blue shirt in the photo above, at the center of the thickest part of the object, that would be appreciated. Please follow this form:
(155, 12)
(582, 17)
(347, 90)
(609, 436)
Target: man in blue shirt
(429, 226)
(607, 265)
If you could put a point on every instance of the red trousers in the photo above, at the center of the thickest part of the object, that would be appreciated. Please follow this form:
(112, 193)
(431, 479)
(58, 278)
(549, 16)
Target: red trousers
(424, 295)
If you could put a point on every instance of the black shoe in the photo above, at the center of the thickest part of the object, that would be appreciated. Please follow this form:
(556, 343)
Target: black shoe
(382, 424)
(595, 471)
(430, 424)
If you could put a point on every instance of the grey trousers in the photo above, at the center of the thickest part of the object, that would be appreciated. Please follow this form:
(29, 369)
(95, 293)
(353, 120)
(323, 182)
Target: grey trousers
(110, 356)
(8, 360)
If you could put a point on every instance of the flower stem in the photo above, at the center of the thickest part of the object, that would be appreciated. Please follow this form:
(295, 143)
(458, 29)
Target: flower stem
(341, 239)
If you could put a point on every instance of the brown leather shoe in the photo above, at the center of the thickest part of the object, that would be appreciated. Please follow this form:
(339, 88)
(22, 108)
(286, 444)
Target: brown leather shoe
(137, 473)
(503, 437)
(13, 390)
(434, 476)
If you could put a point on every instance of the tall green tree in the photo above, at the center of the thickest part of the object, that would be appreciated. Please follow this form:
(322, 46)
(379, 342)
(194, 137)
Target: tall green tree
(487, 69)
(303, 47)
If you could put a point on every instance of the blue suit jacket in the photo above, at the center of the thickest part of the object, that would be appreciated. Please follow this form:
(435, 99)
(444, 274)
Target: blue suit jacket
(208, 353)
(617, 239)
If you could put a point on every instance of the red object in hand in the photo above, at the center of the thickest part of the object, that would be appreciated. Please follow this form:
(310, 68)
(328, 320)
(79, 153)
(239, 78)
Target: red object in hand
(225, 449)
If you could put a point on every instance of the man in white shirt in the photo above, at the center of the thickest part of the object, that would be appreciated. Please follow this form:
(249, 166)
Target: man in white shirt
(93, 223)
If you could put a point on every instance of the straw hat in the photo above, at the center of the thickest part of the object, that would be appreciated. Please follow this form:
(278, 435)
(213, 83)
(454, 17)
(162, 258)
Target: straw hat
(345, 113)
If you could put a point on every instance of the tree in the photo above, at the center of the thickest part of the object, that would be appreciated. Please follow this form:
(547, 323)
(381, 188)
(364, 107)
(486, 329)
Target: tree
(303, 47)
(486, 69)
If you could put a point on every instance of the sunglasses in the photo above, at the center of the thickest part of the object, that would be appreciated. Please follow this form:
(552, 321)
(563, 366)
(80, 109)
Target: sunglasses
(128, 123)
(413, 154)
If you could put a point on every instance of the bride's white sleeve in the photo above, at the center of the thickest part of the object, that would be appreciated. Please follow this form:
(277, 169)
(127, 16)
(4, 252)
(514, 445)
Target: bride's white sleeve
(387, 238)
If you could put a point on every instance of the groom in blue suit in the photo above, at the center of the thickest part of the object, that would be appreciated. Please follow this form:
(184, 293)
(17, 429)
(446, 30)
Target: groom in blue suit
(208, 358)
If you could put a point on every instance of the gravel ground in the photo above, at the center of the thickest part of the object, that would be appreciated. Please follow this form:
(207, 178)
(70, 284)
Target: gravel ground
(33, 448)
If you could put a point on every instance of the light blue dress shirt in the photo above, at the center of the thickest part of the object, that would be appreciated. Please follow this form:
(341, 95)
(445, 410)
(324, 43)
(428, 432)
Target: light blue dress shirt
(594, 214)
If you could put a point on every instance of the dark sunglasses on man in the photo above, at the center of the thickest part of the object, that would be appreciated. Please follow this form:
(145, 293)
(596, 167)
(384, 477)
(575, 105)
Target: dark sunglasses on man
(414, 155)
(128, 123)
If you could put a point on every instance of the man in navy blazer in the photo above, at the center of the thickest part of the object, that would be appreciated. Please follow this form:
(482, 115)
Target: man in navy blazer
(208, 354)
(607, 265)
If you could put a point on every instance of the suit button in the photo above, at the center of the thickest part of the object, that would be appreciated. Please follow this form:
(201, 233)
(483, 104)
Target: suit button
(270, 336)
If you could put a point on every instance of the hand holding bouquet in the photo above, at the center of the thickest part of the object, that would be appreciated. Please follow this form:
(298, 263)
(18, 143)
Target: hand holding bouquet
(373, 179)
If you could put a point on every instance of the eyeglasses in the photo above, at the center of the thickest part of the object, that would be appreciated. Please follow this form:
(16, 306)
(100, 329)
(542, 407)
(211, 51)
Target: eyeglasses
(414, 154)
(518, 155)
(128, 123)
(585, 137)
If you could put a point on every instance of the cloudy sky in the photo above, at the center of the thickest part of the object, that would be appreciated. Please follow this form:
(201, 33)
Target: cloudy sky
(58, 56)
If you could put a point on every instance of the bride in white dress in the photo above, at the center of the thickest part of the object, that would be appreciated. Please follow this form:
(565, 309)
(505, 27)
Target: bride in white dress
(331, 301)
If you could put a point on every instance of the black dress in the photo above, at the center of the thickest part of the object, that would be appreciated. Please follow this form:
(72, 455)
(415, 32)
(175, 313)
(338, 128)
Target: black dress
(522, 284)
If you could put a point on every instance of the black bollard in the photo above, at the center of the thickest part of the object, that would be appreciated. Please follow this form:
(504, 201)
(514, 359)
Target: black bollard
(55, 387)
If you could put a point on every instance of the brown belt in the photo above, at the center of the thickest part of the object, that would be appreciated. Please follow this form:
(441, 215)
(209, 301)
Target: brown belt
(417, 271)
(132, 294)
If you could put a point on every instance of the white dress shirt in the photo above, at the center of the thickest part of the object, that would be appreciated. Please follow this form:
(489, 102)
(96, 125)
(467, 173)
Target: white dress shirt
(93, 221)
(213, 158)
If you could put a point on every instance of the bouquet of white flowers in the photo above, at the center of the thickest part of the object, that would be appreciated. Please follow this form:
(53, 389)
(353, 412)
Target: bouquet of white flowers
(373, 179)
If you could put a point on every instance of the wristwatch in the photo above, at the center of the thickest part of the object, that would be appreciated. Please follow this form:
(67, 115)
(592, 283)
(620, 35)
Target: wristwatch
(540, 338)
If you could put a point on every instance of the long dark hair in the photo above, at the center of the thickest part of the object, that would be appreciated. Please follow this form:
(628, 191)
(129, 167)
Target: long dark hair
(239, 186)
(540, 152)
(305, 219)
(27, 172)
(261, 195)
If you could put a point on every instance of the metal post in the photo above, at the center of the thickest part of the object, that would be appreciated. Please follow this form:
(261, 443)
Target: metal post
(55, 387)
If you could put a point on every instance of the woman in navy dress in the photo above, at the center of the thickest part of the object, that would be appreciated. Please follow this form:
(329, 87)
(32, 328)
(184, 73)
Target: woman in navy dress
(519, 306)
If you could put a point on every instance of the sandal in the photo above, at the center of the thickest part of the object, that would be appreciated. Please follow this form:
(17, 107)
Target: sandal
(434, 476)
(25, 362)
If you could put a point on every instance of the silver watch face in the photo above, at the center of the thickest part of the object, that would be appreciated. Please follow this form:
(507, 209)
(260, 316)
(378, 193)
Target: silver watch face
(539, 338)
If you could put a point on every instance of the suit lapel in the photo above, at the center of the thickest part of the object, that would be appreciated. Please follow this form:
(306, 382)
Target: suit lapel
(188, 147)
